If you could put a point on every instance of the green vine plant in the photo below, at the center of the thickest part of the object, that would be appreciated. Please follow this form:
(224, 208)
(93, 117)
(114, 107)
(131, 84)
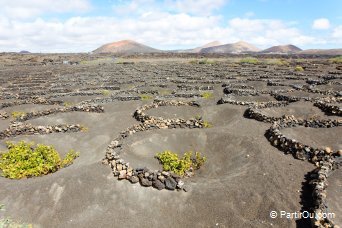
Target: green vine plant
(17, 114)
(145, 97)
(207, 124)
(105, 93)
(207, 95)
(25, 159)
(171, 161)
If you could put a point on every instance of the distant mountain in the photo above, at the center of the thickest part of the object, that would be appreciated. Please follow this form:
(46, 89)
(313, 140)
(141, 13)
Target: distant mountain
(125, 47)
(238, 47)
(198, 49)
(208, 45)
(322, 52)
(282, 49)
(24, 52)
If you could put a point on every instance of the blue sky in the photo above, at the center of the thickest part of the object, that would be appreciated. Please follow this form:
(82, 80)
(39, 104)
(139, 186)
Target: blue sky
(83, 25)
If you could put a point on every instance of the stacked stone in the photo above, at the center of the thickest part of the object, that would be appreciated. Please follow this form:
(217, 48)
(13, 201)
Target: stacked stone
(101, 88)
(267, 104)
(149, 178)
(110, 99)
(142, 117)
(324, 92)
(4, 96)
(241, 92)
(184, 95)
(254, 113)
(147, 91)
(273, 83)
(281, 97)
(329, 108)
(4, 115)
(238, 86)
(319, 183)
(195, 87)
(38, 100)
(84, 108)
(297, 149)
(146, 177)
(316, 81)
(16, 129)
(81, 93)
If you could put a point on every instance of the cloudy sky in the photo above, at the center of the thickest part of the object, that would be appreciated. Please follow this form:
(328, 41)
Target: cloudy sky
(83, 25)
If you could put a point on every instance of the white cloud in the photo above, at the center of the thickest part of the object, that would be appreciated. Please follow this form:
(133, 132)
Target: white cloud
(24, 9)
(186, 24)
(87, 33)
(337, 33)
(321, 24)
(267, 32)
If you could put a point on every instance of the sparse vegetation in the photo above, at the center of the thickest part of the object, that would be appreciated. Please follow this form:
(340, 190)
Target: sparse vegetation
(145, 97)
(299, 68)
(207, 95)
(337, 59)
(84, 128)
(24, 160)
(171, 161)
(69, 158)
(249, 60)
(105, 93)
(207, 124)
(68, 104)
(17, 114)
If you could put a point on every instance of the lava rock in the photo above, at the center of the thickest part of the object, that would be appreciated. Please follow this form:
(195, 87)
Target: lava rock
(145, 182)
(170, 183)
(158, 185)
(134, 179)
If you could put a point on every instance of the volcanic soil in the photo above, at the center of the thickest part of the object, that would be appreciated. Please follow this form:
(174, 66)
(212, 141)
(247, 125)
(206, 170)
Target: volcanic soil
(242, 181)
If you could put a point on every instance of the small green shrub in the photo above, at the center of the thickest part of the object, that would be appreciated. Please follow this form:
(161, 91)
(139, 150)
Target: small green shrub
(207, 124)
(299, 68)
(206, 61)
(84, 128)
(17, 114)
(145, 97)
(249, 60)
(207, 95)
(69, 158)
(28, 160)
(171, 161)
(105, 93)
(198, 161)
(68, 104)
(337, 59)
(193, 61)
